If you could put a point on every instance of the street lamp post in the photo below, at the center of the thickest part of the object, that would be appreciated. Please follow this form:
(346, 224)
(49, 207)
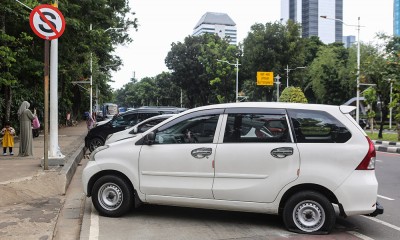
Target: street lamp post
(277, 78)
(288, 71)
(390, 109)
(91, 70)
(237, 75)
(358, 62)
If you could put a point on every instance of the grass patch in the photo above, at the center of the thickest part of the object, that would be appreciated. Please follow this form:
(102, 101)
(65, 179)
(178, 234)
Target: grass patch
(392, 137)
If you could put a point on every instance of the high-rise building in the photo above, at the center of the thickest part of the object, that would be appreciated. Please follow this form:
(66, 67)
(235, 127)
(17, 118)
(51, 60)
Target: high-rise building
(217, 23)
(396, 17)
(308, 12)
(348, 41)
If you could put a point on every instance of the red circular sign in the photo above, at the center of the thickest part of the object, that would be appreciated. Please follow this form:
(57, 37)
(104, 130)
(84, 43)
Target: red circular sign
(47, 22)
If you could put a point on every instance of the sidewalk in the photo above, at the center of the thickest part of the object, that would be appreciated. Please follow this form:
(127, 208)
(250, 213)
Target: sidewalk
(31, 198)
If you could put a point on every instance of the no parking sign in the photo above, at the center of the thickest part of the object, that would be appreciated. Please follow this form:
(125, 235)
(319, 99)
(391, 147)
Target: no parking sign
(47, 22)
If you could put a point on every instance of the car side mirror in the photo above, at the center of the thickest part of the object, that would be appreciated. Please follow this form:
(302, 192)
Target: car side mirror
(134, 130)
(150, 138)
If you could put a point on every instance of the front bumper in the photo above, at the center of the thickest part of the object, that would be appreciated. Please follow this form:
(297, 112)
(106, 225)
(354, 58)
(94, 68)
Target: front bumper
(379, 210)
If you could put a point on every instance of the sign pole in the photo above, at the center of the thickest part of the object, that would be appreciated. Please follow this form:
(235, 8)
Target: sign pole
(47, 22)
(55, 151)
(46, 104)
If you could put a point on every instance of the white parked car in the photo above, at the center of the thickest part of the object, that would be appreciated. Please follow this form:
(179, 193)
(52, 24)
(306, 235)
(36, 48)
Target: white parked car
(301, 161)
(138, 128)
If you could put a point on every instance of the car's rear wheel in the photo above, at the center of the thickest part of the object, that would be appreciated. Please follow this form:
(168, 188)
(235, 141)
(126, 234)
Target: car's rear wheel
(95, 143)
(112, 196)
(309, 212)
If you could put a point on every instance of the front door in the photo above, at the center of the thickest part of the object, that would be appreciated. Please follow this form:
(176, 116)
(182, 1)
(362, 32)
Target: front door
(180, 162)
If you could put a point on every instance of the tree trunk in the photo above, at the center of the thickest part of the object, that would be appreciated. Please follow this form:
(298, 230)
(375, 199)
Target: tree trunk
(7, 98)
(384, 113)
(398, 131)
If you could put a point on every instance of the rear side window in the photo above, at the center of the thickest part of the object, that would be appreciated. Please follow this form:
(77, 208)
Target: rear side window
(256, 127)
(317, 127)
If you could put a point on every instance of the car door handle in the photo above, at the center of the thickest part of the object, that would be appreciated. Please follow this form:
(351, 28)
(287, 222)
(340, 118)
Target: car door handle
(201, 152)
(282, 152)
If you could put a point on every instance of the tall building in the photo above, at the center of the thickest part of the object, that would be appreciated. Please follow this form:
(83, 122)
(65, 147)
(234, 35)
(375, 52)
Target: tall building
(348, 41)
(396, 17)
(308, 12)
(217, 23)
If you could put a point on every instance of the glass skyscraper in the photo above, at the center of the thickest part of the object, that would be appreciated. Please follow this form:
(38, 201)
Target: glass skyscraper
(308, 12)
(396, 17)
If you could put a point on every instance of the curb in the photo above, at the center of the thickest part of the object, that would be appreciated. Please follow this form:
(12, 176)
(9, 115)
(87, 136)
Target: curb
(387, 149)
(69, 168)
(386, 146)
(397, 144)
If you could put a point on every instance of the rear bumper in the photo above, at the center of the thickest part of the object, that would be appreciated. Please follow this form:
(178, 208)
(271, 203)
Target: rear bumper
(379, 210)
(358, 193)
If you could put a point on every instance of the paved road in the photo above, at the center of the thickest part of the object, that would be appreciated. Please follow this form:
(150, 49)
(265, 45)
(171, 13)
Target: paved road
(162, 222)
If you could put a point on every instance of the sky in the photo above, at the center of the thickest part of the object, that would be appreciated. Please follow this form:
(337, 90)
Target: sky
(163, 22)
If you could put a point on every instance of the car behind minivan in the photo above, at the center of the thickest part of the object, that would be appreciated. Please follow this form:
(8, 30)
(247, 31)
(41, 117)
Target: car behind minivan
(300, 161)
(97, 136)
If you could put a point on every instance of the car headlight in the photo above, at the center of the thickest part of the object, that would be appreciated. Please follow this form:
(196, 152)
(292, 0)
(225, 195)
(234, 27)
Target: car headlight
(101, 148)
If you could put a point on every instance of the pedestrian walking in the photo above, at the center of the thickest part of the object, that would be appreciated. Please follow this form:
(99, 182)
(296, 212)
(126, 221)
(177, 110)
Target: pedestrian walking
(25, 127)
(8, 134)
(89, 120)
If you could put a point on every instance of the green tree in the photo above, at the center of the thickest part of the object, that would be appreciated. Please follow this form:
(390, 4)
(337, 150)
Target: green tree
(156, 91)
(294, 95)
(270, 47)
(375, 71)
(21, 52)
(370, 99)
(186, 68)
(221, 74)
(192, 65)
(167, 93)
(329, 75)
(392, 53)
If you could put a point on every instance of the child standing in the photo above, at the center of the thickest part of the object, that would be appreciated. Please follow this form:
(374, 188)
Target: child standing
(8, 138)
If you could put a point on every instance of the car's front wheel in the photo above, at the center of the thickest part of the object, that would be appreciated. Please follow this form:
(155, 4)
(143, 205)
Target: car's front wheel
(95, 143)
(309, 212)
(112, 196)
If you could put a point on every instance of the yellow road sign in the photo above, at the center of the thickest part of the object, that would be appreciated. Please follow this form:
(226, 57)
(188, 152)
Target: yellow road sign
(265, 78)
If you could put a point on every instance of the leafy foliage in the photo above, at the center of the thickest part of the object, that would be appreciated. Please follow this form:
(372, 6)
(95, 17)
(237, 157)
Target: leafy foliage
(329, 75)
(21, 53)
(294, 95)
(270, 47)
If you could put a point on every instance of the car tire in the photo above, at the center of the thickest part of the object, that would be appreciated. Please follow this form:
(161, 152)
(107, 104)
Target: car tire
(112, 196)
(95, 143)
(309, 212)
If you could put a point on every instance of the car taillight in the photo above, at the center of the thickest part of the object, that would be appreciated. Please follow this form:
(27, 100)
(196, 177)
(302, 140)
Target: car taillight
(368, 163)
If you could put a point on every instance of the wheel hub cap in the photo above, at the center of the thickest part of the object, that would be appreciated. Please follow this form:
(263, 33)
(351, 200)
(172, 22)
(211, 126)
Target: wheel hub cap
(110, 196)
(309, 216)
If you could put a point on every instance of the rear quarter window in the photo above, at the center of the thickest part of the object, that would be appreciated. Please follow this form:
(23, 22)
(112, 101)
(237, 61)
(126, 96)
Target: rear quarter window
(317, 127)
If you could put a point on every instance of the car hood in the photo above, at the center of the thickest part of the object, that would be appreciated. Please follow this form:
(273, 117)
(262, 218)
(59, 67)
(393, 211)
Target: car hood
(120, 136)
(125, 137)
(102, 122)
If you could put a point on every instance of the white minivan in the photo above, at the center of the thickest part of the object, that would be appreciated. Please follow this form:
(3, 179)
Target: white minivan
(301, 161)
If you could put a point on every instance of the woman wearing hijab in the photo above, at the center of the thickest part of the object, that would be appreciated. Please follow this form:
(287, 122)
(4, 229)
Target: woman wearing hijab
(25, 127)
